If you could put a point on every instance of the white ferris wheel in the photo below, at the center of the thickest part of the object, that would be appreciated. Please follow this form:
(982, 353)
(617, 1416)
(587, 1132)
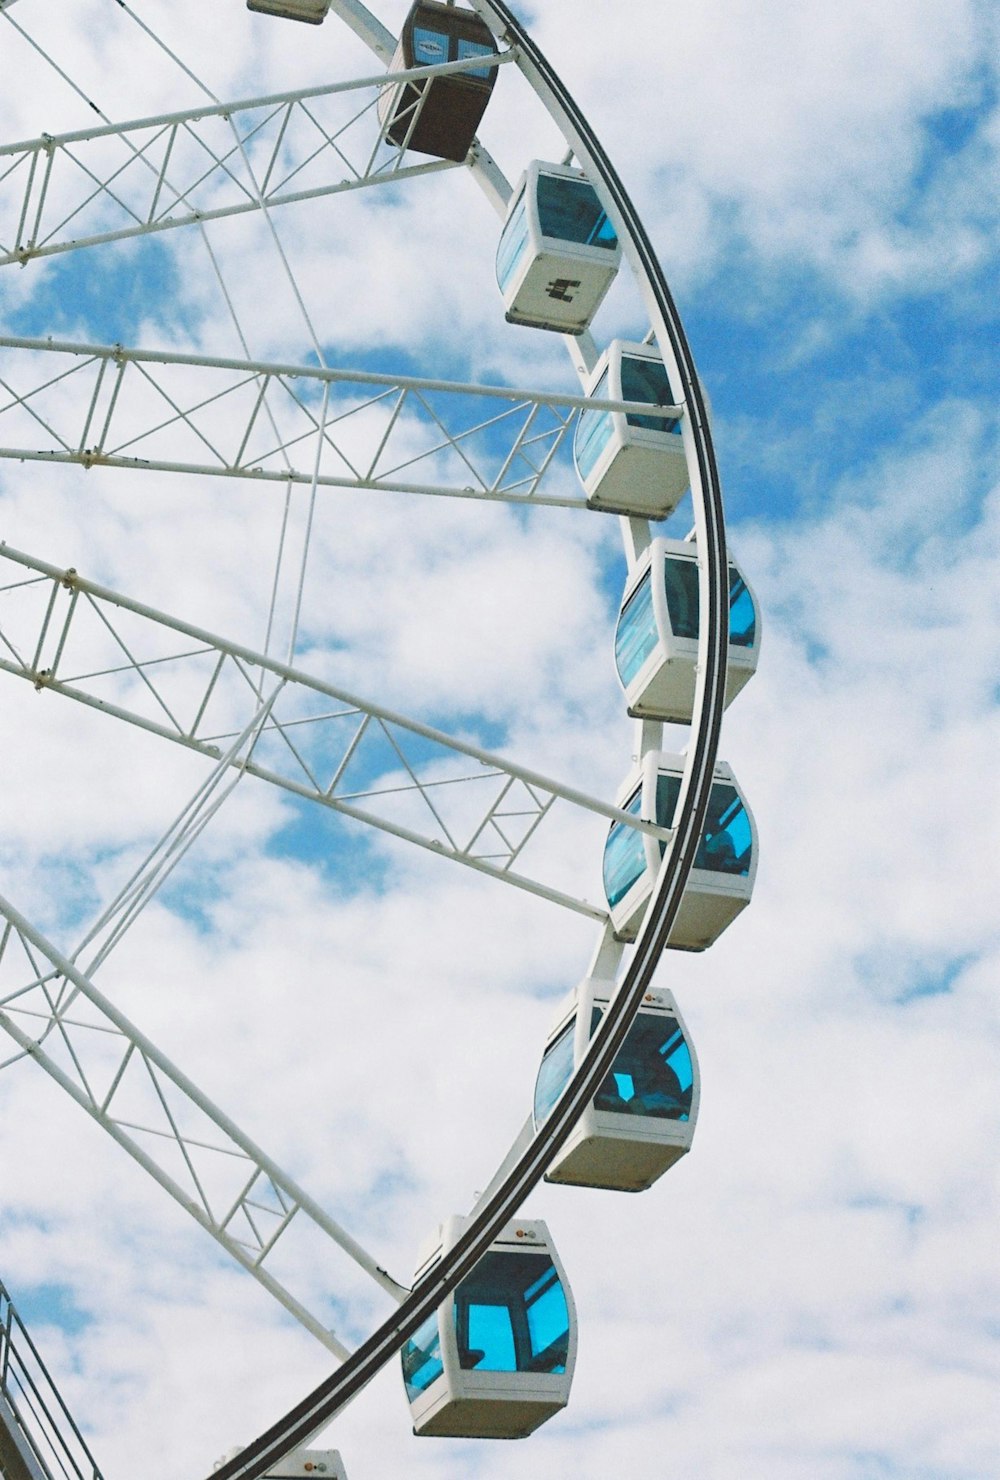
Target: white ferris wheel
(261, 351)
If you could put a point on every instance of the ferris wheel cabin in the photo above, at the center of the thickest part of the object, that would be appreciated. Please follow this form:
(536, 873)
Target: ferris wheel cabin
(558, 252)
(720, 883)
(642, 1119)
(496, 1358)
(627, 462)
(311, 11)
(656, 640)
(440, 116)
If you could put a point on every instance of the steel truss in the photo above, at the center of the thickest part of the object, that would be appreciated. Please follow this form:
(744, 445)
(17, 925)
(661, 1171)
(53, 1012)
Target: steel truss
(230, 1186)
(109, 406)
(316, 741)
(65, 191)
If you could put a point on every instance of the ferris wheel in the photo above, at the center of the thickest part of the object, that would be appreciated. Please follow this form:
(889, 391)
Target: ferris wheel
(244, 320)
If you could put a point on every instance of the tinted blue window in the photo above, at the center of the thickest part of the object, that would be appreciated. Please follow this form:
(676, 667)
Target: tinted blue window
(570, 211)
(430, 48)
(624, 855)
(554, 1073)
(511, 1315)
(635, 635)
(742, 617)
(513, 241)
(653, 1075)
(680, 581)
(726, 843)
(646, 380)
(422, 1358)
(593, 431)
(490, 1339)
(474, 49)
(548, 1322)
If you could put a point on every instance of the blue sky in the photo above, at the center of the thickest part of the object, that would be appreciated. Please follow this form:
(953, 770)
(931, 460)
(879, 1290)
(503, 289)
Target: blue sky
(812, 1293)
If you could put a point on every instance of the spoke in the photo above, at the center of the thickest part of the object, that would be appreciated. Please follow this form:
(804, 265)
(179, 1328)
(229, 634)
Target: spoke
(450, 431)
(62, 192)
(318, 742)
(157, 868)
(231, 1187)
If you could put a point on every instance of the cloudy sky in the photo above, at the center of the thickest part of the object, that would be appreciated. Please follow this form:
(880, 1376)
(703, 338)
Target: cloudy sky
(813, 1293)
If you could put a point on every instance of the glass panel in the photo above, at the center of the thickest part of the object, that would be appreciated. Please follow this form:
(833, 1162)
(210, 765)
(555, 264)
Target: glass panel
(624, 855)
(511, 1315)
(490, 1339)
(430, 48)
(512, 243)
(646, 380)
(593, 431)
(475, 49)
(635, 635)
(554, 1073)
(570, 211)
(726, 845)
(668, 789)
(742, 617)
(422, 1358)
(548, 1323)
(680, 581)
(653, 1075)
(726, 842)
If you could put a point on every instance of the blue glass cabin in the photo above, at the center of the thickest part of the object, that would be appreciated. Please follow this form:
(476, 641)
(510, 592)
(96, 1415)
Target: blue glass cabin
(656, 640)
(496, 1359)
(629, 463)
(721, 882)
(642, 1119)
(558, 252)
(440, 116)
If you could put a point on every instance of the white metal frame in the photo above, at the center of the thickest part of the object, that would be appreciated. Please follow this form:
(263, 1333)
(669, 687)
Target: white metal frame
(171, 170)
(321, 730)
(42, 979)
(100, 1059)
(249, 419)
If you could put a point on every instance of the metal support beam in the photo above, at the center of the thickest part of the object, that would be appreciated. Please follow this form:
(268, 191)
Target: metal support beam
(487, 443)
(69, 636)
(62, 192)
(232, 1188)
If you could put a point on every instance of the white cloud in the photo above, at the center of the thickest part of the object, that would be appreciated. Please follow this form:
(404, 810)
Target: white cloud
(793, 130)
(812, 1293)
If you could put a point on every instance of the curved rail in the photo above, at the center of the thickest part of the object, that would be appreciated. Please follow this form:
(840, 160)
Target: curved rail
(321, 1405)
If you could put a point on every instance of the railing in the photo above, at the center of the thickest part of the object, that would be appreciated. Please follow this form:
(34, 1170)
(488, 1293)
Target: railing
(38, 1438)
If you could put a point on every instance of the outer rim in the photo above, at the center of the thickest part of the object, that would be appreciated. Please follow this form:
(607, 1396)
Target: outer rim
(320, 1406)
